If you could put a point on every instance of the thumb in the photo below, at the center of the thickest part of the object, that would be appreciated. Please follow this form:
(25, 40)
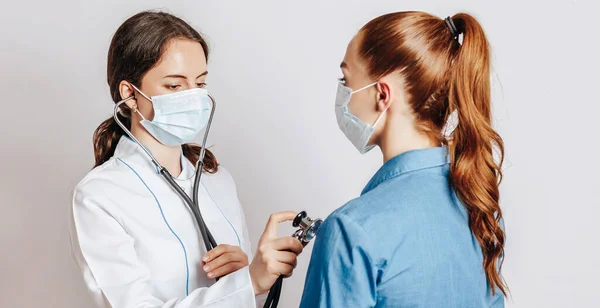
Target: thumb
(273, 224)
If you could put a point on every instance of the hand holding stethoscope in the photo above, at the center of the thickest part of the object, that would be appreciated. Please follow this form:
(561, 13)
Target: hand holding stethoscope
(274, 256)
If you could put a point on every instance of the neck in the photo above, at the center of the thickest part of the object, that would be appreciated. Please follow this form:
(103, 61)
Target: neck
(401, 136)
(168, 157)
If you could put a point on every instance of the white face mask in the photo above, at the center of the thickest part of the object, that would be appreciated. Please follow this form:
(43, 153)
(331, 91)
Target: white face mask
(357, 131)
(178, 117)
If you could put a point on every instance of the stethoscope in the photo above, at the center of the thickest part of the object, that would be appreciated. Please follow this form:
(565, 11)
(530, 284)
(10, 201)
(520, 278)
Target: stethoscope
(308, 227)
(207, 237)
(308, 231)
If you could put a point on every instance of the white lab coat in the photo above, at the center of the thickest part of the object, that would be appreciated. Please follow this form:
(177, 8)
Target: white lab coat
(136, 241)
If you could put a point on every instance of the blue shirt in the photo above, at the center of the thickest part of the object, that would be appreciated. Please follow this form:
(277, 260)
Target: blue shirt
(405, 242)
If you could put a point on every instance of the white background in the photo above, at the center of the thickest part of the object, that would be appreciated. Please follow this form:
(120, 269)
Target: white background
(273, 70)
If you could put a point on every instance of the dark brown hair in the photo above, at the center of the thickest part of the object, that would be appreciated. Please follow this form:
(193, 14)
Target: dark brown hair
(442, 76)
(137, 47)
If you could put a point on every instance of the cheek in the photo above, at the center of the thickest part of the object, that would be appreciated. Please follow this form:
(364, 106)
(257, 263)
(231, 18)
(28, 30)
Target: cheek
(362, 105)
(145, 108)
(356, 105)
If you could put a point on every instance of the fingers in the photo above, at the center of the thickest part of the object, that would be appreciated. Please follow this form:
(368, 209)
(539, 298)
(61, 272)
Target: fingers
(217, 251)
(226, 269)
(288, 243)
(278, 268)
(224, 259)
(286, 257)
(228, 257)
(274, 220)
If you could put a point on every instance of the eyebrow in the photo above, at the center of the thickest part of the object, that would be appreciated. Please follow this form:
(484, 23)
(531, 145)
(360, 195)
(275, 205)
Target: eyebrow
(181, 76)
(343, 65)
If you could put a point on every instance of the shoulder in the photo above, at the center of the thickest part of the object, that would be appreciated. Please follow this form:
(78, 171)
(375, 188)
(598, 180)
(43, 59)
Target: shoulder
(345, 223)
(223, 174)
(349, 212)
(350, 222)
(96, 177)
(342, 237)
(405, 201)
(221, 178)
(222, 189)
(103, 183)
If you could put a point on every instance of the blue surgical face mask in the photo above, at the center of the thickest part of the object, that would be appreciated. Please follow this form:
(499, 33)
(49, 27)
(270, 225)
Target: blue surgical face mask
(178, 117)
(357, 131)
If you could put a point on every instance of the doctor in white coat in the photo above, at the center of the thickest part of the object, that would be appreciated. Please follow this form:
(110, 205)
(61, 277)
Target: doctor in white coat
(133, 237)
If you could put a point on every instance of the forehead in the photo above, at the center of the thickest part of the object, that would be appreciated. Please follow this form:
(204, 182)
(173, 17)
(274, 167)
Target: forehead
(352, 58)
(350, 51)
(182, 56)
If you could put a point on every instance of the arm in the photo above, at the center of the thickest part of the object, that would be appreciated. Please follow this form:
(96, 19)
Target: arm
(341, 271)
(113, 274)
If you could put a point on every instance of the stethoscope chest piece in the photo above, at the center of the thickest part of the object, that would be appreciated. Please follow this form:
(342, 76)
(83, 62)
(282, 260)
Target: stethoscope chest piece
(308, 227)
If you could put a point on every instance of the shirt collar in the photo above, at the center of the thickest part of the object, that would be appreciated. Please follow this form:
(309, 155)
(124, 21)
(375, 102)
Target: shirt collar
(407, 162)
(129, 149)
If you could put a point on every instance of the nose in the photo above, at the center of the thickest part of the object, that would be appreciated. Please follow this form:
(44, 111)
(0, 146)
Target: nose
(190, 84)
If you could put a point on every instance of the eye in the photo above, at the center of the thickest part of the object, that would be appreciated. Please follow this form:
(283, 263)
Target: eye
(173, 87)
(201, 85)
(342, 80)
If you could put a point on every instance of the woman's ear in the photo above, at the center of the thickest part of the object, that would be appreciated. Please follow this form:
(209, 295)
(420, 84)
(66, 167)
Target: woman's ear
(127, 91)
(383, 95)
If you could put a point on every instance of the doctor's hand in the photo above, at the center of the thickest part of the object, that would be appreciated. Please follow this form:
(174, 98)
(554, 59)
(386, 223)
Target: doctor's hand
(275, 256)
(223, 260)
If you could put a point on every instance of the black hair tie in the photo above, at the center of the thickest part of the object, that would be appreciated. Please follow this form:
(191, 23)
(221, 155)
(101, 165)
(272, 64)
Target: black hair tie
(453, 30)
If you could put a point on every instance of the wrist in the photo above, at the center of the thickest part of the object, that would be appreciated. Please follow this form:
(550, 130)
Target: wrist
(254, 279)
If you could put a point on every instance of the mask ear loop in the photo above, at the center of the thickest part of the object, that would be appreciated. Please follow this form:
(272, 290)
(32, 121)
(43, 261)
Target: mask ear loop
(135, 109)
(383, 112)
(128, 132)
(367, 86)
(142, 93)
(381, 115)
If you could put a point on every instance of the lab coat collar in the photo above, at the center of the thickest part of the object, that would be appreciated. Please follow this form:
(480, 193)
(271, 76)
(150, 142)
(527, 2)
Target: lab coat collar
(129, 150)
(407, 162)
